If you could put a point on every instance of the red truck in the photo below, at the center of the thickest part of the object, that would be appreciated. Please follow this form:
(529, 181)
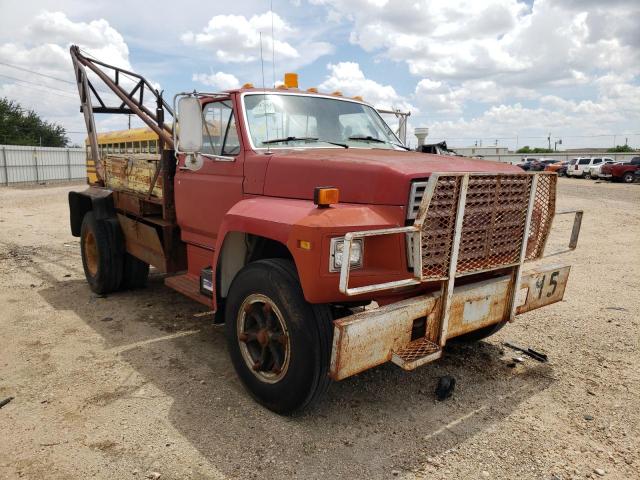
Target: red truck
(323, 244)
(625, 172)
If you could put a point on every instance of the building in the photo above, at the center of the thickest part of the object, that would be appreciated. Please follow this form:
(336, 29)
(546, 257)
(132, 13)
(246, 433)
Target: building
(480, 151)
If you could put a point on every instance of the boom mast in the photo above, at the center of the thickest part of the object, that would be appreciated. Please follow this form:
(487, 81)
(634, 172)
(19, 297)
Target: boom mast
(132, 101)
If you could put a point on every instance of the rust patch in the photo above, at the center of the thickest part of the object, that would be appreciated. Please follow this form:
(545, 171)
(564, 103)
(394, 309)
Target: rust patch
(133, 173)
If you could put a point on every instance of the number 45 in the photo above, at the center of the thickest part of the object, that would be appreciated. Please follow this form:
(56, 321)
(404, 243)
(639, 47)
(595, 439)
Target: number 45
(553, 282)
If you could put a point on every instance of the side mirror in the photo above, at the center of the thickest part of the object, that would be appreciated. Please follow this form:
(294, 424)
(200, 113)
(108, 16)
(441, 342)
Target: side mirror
(189, 134)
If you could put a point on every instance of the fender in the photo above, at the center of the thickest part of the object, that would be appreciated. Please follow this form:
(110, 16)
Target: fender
(100, 200)
(290, 221)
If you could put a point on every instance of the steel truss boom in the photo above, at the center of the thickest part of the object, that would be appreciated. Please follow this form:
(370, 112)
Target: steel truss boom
(131, 101)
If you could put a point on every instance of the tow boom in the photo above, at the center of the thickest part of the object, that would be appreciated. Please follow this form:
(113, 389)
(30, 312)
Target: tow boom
(132, 101)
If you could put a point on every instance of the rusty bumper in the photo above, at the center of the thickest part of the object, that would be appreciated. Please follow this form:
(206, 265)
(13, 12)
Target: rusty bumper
(373, 337)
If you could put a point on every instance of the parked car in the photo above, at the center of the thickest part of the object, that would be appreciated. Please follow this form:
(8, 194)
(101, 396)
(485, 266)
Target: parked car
(559, 167)
(583, 164)
(527, 163)
(594, 171)
(542, 163)
(626, 172)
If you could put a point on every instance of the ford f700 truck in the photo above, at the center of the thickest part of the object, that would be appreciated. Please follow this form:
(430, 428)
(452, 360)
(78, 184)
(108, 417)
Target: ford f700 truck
(323, 244)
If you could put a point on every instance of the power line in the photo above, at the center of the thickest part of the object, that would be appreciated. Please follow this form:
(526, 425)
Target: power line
(68, 93)
(36, 73)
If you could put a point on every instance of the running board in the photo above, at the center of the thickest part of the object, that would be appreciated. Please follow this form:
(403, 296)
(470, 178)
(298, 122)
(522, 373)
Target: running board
(188, 285)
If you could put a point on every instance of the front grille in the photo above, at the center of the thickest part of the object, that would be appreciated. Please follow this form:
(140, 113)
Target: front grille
(493, 224)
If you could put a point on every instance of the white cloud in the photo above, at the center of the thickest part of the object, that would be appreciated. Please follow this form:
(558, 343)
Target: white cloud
(218, 80)
(439, 97)
(236, 39)
(44, 48)
(504, 67)
(502, 39)
(591, 122)
(348, 78)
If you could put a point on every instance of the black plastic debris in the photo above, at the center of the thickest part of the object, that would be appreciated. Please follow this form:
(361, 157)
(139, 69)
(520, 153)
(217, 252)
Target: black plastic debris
(5, 401)
(446, 385)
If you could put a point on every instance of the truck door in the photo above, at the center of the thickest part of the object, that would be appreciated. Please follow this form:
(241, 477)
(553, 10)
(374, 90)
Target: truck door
(203, 196)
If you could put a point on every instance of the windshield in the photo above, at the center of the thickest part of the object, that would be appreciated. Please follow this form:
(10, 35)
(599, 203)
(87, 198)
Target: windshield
(305, 121)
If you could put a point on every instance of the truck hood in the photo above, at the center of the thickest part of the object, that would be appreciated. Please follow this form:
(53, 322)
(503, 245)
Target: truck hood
(371, 176)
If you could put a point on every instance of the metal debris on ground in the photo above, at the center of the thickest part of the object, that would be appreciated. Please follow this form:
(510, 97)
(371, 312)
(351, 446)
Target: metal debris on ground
(541, 357)
(5, 401)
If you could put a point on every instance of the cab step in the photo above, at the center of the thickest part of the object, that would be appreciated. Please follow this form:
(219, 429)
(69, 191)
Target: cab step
(188, 285)
(416, 353)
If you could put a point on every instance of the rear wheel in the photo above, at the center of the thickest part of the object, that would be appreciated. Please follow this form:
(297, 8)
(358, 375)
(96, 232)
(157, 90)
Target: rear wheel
(279, 344)
(628, 177)
(101, 254)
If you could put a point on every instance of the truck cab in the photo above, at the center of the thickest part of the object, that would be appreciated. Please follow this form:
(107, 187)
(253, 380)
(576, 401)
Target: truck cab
(324, 244)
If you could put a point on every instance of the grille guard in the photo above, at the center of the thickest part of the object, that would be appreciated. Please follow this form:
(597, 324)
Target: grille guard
(480, 195)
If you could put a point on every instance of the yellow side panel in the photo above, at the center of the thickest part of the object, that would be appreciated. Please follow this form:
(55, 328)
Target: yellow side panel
(132, 173)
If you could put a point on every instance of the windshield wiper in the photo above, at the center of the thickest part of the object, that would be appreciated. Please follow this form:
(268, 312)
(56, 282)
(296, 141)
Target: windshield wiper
(377, 140)
(304, 139)
(290, 139)
(368, 138)
(335, 143)
(400, 145)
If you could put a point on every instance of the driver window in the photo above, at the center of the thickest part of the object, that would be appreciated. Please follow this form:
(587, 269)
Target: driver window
(219, 133)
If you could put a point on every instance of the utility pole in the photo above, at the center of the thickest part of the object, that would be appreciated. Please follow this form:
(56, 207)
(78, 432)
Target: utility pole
(549, 140)
(129, 121)
(556, 143)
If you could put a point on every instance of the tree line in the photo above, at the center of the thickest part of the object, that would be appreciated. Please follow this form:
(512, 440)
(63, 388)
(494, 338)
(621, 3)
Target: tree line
(20, 126)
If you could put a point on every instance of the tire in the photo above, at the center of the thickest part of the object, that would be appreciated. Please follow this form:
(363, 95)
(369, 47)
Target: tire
(101, 247)
(480, 334)
(135, 273)
(266, 296)
(628, 177)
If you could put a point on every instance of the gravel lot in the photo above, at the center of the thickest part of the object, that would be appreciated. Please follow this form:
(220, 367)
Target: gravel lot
(138, 384)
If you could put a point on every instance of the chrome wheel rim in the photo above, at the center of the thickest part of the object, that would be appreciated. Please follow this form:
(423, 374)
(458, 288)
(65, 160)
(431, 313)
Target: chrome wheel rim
(263, 338)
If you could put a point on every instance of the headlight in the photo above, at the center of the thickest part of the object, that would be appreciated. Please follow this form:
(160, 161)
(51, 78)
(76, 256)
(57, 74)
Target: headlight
(337, 246)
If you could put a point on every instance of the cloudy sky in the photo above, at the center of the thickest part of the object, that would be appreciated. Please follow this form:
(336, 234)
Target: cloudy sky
(498, 70)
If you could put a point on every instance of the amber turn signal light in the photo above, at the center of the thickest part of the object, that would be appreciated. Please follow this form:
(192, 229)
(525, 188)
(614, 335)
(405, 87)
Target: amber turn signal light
(325, 196)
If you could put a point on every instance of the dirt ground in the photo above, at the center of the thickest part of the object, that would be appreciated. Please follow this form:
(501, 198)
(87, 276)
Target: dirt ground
(138, 384)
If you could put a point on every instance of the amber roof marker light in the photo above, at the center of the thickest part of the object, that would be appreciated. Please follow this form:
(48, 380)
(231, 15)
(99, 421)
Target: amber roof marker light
(291, 80)
(324, 197)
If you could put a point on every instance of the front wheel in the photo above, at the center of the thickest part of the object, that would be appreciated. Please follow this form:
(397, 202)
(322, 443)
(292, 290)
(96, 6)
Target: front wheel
(628, 177)
(279, 344)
